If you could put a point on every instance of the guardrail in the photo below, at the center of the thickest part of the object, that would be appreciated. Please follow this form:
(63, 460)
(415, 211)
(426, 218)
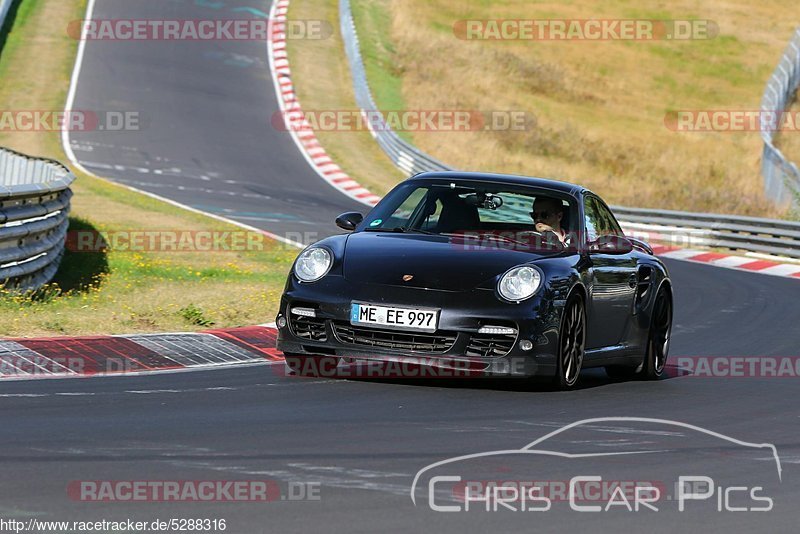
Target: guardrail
(686, 229)
(405, 156)
(34, 216)
(5, 5)
(679, 228)
(781, 177)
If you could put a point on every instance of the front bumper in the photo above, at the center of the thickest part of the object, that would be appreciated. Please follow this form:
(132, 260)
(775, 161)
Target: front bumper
(455, 345)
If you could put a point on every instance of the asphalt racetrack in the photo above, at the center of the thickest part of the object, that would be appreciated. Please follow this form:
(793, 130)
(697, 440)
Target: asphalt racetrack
(204, 136)
(350, 449)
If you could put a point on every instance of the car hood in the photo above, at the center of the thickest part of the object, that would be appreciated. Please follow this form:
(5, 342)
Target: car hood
(435, 262)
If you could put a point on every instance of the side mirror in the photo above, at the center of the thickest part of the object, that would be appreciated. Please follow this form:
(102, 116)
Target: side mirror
(348, 221)
(641, 245)
(611, 244)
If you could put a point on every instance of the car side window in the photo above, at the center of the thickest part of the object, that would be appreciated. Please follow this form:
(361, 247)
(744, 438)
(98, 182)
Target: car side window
(593, 223)
(610, 224)
(599, 220)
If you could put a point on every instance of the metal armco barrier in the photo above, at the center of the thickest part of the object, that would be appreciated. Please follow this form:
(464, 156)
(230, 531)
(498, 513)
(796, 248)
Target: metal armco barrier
(685, 229)
(5, 5)
(34, 216)
(781, 177)
(405, 156)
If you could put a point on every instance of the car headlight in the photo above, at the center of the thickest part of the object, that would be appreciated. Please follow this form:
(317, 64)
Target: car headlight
(312, 264)
(520, 283)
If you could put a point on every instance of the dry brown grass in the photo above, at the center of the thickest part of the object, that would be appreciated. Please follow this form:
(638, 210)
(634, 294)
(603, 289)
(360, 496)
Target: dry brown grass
(600, 106)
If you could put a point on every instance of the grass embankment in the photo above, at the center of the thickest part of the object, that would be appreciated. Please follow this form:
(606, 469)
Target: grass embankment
(599, 107)
(116, 292)
(322, 82)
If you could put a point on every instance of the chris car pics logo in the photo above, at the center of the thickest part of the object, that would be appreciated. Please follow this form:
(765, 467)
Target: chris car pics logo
(448, 489)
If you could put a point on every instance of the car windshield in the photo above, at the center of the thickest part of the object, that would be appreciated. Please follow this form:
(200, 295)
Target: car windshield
(507, 212)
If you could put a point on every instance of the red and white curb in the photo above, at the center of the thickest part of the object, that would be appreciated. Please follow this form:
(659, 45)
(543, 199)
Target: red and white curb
(730, 261)
(136, 354)
(299, 128)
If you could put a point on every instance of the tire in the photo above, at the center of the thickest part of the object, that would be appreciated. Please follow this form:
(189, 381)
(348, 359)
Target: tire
(655, 359)
(571, 344)
(311, 365)
(657, 348)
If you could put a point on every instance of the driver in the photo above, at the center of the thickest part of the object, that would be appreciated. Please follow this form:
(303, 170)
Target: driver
(547, 214)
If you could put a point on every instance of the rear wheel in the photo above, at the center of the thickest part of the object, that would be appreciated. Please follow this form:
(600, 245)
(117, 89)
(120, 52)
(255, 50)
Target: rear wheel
(571, 343)
(657, 349)
(660, 332)
(311, 365)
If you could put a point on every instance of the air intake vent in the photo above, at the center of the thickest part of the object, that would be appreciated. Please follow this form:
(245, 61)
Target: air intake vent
(490, 345)
(311, 328)
(391, 339)
(644, 282)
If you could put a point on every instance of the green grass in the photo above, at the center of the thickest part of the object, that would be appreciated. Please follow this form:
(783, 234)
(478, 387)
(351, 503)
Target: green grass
(111, 292)
(373, 21)
(18, 14)
(121, 291)
(374, 25)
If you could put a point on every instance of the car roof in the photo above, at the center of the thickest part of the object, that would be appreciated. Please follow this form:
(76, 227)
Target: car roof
(563, 187)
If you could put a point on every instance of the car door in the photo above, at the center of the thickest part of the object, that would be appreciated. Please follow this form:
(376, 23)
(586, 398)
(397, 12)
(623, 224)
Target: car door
(612, 279)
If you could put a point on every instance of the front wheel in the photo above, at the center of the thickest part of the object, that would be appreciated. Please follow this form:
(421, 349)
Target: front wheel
(571, 344)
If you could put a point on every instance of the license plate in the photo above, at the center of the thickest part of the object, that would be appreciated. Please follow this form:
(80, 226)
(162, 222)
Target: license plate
(423, 320)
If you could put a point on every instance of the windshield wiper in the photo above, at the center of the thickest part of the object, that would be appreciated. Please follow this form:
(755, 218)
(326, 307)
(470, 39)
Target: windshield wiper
(397, 229)
(401, 230)
(418, 231)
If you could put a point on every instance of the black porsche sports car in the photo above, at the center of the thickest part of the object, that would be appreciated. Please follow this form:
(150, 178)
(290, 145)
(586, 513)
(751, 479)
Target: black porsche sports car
(507, 275)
